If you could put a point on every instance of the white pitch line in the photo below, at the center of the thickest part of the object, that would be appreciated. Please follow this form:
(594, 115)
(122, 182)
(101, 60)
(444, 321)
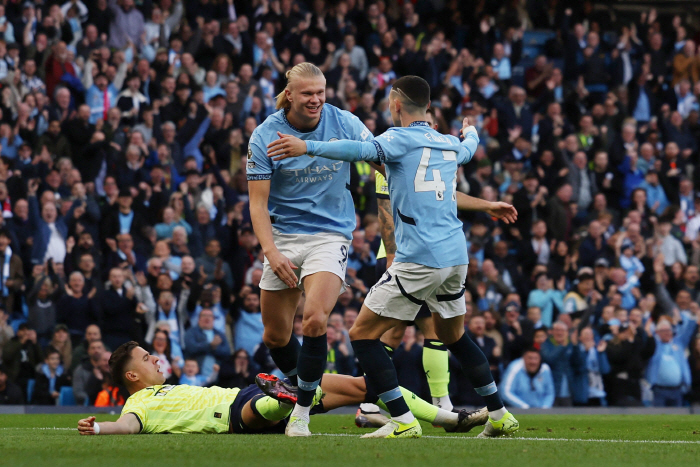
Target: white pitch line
(456, 438)
(583, 440)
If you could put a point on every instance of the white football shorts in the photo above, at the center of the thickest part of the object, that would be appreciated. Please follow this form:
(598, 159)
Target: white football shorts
(323, 252)
(404, 288)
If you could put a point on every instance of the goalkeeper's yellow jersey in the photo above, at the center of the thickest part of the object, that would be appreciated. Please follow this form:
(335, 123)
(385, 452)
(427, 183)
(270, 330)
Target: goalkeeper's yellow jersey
(382, 190)
(181, 408)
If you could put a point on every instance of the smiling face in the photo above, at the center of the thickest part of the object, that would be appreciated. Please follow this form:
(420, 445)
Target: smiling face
(307, 96)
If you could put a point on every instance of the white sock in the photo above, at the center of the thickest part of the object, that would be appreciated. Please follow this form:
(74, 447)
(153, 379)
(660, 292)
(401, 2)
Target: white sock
(496, 415)
(301, 412)
(446, 418)
(369, 408)
(443, 402)
(405, 418)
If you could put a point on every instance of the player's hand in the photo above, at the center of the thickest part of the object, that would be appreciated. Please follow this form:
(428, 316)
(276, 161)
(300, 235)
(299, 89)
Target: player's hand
(86, 426)
(286, 146)
(504, 211)
(468, 126)
(283, 268)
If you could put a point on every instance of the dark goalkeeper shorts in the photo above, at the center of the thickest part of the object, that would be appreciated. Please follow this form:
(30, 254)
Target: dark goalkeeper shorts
(237, 425)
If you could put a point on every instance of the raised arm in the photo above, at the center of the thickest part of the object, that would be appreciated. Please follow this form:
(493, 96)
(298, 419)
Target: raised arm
(343, 150)
(127, 424)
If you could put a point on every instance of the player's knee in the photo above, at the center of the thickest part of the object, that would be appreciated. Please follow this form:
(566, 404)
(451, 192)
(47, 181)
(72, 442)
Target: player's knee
(355, 333)
(315, 325)
(274, 340)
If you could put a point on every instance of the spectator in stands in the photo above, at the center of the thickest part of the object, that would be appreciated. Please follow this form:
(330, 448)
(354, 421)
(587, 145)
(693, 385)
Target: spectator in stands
(87, 369)
(548, 299)
(50, 378)
(49, 229)
(627, 353)
(596, 366)
(80, 353)
(339, 360)
(192, 376)
(563, 355)
(668, 372)
(12, 271)
(119, 311)
(170, 365)
(206, 345)
(236, 372)
(248, 330)
(60, 340)
(527, 382)
(10, 393)
(6, 331)
(42, 307)
(75, 309)
(21, 356)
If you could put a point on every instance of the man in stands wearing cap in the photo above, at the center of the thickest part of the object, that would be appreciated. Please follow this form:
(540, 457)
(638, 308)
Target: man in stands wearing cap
(581, 301)
(518, 332)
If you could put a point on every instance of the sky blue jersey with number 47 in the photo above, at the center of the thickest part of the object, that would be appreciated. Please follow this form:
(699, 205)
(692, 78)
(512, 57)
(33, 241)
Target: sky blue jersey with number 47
(308, 195)
(421, 167)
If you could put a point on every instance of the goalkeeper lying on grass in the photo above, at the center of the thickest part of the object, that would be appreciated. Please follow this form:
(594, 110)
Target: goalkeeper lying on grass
(157, 408)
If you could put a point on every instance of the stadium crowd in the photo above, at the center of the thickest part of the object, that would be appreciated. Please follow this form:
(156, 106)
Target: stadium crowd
(124, 129)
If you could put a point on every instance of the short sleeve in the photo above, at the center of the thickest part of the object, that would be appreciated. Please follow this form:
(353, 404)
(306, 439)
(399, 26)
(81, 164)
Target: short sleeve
(381, 186)
(259, 166)
(137, 408)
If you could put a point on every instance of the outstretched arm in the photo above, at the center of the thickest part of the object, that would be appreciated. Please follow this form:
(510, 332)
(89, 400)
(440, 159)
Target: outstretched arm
(127, 424)
(343, 150)
(497, 209)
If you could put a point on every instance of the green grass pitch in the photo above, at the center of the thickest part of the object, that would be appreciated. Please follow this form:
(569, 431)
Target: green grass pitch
(595, 440)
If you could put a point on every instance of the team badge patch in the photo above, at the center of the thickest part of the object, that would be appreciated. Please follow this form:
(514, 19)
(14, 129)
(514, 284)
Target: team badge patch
(250, 152)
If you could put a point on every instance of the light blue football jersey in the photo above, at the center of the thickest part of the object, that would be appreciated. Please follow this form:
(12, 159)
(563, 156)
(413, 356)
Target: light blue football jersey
(421, 167)
(308, 195)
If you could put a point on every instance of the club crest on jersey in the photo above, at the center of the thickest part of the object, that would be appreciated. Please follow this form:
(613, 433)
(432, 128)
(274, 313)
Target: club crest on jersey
(250, 152)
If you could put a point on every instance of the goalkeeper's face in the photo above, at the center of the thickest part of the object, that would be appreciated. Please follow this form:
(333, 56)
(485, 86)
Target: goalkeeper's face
(307, 97)
(145, 368)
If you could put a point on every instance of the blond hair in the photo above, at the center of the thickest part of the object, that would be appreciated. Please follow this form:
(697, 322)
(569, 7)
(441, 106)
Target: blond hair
(302, 70)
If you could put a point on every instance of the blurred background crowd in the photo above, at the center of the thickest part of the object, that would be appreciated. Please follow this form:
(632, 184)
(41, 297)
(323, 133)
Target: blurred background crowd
(123, 134)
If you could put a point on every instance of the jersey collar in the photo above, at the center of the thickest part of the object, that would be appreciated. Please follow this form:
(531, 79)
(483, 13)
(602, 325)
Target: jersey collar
(418, 123)
(284, 117)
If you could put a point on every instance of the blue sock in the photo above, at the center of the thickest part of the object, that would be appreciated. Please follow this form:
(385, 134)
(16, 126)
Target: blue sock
(286, 359)
(312, 362)
(476, 367)
(381, 374)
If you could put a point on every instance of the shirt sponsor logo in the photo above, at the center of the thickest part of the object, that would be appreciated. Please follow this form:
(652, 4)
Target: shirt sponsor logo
(312, 174)
(251, 164)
